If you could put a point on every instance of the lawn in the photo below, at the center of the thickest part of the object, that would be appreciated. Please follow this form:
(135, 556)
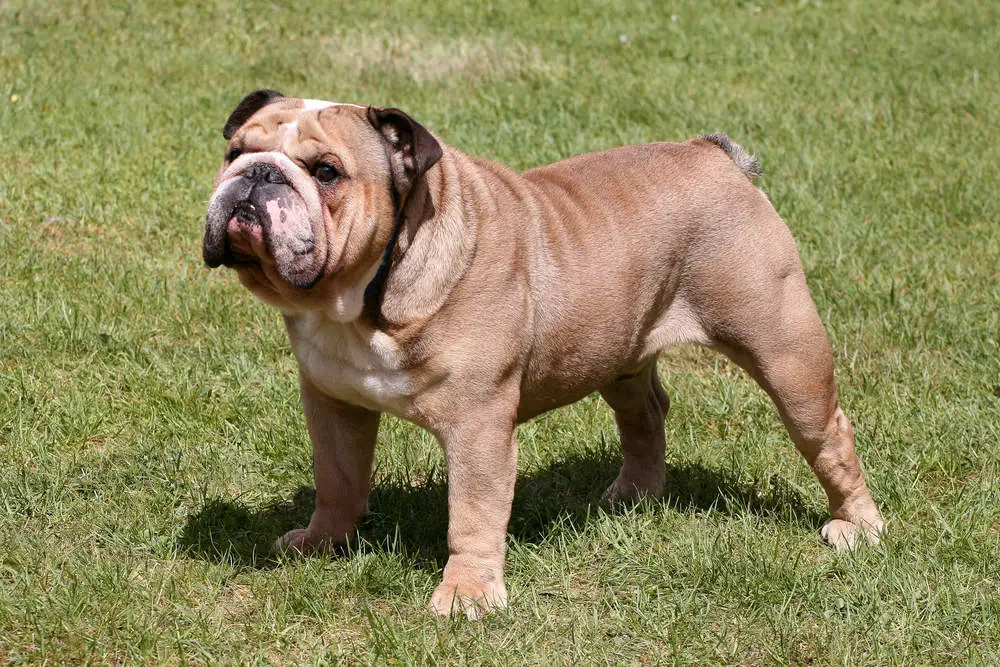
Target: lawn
(151, 439)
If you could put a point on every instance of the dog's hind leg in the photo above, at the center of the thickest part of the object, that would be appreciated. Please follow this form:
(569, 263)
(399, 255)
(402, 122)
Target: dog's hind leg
(640, 405)
(777, 336)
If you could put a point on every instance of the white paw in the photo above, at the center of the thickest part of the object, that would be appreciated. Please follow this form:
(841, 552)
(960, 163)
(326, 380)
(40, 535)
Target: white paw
(846, 536)
(473, 599)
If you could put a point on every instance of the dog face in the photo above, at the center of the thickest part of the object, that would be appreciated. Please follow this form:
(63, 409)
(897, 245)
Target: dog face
(307, 197)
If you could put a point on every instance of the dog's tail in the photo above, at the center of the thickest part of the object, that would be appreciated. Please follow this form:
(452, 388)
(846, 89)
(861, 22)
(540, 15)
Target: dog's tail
(746, 161)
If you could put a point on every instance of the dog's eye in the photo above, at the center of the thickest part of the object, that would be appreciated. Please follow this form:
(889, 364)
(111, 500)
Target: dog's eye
(325, 173)
(233, 153)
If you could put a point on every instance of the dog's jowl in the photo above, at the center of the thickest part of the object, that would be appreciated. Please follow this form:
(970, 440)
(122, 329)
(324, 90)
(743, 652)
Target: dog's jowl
(465, 298)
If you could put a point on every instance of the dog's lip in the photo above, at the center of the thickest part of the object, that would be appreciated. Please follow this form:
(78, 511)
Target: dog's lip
(237, 260)
(245, 235)
(234, 258)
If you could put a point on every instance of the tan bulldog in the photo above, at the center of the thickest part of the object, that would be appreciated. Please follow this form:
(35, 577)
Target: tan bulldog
(463, 297)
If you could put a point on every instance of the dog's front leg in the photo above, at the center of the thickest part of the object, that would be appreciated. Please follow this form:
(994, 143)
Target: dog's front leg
(343, 438)
(482, 469)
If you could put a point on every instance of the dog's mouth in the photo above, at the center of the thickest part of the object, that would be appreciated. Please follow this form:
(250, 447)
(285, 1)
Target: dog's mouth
(234, 259)
(245, 214)
(244, 242)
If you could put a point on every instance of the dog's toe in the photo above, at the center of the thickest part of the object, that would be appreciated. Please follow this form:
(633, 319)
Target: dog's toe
(306, 542)
(290, 541)
(474, 601)
(846, 536)
(628, 490)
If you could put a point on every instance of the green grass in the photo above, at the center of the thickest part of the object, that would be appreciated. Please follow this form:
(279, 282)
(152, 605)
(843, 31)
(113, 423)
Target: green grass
(151, 439)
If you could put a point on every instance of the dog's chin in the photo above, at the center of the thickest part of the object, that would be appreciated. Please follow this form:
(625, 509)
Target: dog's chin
(240, 261)
(256, 281)
(264, 273)
(270, 288)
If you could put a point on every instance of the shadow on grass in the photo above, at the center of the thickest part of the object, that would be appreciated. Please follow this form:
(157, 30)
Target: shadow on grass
(413, 519)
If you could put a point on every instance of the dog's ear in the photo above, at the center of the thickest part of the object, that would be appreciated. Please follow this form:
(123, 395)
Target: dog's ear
(250, 105)
(412, 148)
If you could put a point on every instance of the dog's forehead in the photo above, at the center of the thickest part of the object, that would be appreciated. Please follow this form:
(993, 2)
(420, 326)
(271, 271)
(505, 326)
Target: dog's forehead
(331, 116)
(291, 120)
(324, 111)
(291, 113)
(303, 128)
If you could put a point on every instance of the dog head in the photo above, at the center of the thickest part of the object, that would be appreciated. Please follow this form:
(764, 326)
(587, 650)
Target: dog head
(306, 199)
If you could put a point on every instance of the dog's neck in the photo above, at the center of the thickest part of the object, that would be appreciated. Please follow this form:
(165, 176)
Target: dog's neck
(376, 288)
(434, 245)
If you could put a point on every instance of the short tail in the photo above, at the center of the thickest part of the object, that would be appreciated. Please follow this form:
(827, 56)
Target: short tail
(747, 162)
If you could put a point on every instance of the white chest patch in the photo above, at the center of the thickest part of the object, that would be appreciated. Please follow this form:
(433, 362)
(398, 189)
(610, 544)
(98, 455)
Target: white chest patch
(350, 365)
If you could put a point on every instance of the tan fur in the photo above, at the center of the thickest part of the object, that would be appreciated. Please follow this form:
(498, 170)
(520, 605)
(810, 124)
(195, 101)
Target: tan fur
(510, 295)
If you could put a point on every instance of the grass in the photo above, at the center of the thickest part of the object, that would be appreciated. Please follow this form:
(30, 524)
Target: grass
(151, 439)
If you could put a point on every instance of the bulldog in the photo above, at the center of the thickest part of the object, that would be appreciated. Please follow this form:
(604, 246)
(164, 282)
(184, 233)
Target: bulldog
(454, 293)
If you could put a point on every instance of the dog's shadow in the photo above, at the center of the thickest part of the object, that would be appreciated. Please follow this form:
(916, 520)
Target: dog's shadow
(413, 518)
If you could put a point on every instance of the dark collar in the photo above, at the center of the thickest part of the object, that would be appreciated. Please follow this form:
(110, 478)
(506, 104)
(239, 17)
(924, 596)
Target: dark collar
(376, 288)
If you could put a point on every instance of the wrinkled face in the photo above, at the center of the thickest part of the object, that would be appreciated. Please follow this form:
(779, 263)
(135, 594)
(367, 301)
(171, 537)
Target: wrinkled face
(303, 206)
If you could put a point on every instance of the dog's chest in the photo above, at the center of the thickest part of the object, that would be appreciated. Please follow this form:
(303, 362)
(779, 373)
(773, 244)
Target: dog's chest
(351, 364)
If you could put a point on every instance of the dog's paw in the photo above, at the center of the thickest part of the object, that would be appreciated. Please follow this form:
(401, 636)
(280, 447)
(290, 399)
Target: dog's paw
(472, 586)
(627, 490)
(846, 536)
(308, 542)
(474, 599)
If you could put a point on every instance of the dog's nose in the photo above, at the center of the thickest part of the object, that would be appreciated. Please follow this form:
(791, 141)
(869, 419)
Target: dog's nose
(264, 172)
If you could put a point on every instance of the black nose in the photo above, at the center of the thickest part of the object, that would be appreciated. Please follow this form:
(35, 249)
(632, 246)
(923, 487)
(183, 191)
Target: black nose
(264, 172)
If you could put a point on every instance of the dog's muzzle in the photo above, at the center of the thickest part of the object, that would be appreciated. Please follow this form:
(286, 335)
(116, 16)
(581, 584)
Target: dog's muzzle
(261, 202)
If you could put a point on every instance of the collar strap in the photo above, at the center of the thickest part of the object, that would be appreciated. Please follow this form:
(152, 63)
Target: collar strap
(376, 288)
